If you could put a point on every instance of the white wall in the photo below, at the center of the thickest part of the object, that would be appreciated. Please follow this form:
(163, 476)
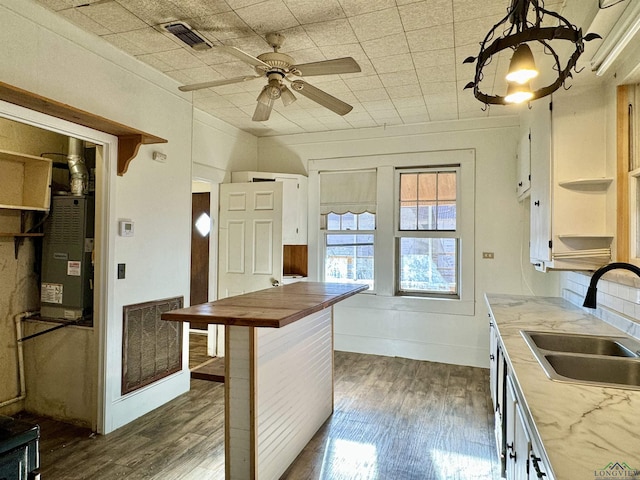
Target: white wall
(618, 289)
(390, 326)
(45, 54)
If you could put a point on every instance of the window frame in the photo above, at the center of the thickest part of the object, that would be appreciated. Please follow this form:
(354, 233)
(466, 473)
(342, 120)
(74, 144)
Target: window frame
(399, 234)
(326, 232)
(385, 267)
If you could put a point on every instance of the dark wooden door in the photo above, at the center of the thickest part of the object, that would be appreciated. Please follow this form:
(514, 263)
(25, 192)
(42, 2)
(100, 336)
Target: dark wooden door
(199, 252)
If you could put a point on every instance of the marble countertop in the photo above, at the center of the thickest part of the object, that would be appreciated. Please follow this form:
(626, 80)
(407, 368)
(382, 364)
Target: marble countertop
(582, 428)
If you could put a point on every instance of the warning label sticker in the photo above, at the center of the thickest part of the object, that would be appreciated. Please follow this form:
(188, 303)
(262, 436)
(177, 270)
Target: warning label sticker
(51, 293)
(73, 268)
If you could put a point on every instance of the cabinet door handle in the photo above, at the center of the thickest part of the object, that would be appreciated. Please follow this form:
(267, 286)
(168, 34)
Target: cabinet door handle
(537, 203)
(535, 460)
(492, 357)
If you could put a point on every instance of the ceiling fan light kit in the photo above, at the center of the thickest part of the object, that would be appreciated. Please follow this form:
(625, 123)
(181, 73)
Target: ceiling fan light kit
(279, 67)
(526, 19)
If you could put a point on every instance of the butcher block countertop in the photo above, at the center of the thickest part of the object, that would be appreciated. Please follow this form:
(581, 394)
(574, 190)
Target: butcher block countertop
(273, 307)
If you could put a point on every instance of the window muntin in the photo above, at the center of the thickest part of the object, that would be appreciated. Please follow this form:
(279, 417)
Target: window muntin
(428, 200)
(428, 241)
(349, 248)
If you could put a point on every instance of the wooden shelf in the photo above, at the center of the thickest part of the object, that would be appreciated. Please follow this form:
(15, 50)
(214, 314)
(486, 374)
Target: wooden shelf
(22, 207)
(600, 182)
(595, 237)
(129, 139)
(26, 181)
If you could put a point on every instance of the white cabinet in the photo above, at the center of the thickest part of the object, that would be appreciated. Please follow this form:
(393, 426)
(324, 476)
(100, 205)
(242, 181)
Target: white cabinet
(497, 376)
(510, 430)
(569, 183)
(294, 204)
(516, 436)
(518, 446)
(523, 173)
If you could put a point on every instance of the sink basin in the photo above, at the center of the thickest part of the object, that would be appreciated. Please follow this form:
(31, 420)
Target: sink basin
(598, 370)
(600, 360)
(590, 344)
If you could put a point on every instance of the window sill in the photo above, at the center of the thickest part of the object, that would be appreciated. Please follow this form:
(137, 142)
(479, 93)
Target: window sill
(446, 306)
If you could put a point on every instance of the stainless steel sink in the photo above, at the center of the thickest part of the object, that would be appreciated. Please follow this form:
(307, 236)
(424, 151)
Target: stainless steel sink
(617, 346)
(594, 369)
(612, 361)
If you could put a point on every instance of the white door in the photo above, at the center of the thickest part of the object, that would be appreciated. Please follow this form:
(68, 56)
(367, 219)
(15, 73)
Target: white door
(250, 237)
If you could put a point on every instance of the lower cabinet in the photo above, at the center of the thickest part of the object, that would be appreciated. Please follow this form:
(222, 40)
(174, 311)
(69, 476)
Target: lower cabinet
(518, 447)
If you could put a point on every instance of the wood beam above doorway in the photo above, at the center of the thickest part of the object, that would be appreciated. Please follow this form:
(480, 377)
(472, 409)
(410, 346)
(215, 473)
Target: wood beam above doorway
(129, 139)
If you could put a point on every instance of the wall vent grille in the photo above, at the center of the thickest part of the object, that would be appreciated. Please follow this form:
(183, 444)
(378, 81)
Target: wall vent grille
(152, 348)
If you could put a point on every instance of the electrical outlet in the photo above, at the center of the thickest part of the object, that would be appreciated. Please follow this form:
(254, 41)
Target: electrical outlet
(488, 255)
(121, 269)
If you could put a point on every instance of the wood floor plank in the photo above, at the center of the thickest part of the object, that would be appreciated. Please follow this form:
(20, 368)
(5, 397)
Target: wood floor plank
(394, 419)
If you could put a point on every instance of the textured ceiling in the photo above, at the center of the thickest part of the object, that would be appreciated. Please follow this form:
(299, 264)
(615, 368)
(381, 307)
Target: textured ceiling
(410, 53)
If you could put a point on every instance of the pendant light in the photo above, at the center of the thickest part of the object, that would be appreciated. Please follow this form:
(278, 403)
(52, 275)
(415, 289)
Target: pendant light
(522, 67)
(523, 25)
(518, 92)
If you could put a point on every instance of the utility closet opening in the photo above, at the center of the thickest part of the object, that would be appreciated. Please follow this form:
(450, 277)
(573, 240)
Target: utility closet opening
(47, 231)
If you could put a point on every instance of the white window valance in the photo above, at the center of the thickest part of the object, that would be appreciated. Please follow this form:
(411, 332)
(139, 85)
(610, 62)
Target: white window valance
(350, 191)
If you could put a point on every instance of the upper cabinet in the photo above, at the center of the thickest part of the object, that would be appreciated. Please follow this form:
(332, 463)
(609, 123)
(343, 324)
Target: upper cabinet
(25, 181)
(294, 202)
(523, 181)
(569, 182)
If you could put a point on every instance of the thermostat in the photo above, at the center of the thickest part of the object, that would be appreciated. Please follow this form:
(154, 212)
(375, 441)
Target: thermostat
(126, 228)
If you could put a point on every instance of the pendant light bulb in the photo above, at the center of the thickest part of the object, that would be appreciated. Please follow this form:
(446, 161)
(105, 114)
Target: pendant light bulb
(518, 93)
(522, 67)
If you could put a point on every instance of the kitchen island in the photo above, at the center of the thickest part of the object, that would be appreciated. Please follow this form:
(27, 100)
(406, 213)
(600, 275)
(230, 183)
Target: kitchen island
(278, 371)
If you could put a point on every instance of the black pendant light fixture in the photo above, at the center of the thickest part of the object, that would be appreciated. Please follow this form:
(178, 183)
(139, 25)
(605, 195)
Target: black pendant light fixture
(523, 26)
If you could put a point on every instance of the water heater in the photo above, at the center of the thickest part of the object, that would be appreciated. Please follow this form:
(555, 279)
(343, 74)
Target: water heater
(67, 267)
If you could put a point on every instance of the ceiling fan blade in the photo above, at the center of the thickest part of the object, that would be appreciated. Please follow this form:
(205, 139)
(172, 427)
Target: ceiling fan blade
(262, 112)
(321, 97)
(217, 83)
(328, 67)
(245, 57)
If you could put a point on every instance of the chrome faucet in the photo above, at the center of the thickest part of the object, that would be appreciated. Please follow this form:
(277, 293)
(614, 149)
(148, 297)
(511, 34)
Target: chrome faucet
(592, 291)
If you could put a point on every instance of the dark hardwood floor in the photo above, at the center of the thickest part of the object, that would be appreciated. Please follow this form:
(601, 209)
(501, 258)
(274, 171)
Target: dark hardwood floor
(198, 349)
(394, 419)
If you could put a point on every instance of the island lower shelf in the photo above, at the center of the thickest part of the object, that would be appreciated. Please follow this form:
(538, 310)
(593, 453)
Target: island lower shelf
(278, 371)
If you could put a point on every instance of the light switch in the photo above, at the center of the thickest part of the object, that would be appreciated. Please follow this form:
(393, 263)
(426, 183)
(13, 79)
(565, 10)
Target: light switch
(121, 271)
(487, 255)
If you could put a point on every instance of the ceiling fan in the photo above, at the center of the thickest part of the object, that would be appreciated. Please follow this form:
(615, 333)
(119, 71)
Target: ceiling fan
(277, 67)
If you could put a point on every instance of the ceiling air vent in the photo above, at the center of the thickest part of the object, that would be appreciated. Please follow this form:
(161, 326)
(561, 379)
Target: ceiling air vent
(187, 35)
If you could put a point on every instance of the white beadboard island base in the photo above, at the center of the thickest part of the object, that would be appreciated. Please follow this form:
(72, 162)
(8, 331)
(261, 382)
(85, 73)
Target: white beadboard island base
(278, 371)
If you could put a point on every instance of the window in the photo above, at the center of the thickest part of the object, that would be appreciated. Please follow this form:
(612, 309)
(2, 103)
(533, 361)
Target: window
(349, 248)
(418, 255)
(348, 219)
(428, 238)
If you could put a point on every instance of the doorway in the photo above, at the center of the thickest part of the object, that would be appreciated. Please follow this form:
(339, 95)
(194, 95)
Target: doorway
(204, 362)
